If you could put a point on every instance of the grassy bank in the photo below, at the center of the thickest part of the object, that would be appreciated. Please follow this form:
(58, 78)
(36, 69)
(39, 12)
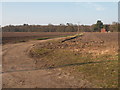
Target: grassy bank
(101, 70)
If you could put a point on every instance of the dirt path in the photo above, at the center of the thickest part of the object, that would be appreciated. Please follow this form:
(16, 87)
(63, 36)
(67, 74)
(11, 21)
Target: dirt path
(19, 70)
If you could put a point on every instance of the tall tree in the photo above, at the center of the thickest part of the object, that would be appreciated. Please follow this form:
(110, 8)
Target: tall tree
(98, 26)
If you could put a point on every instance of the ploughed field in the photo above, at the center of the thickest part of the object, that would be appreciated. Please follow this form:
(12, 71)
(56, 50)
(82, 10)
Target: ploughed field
(15, 37)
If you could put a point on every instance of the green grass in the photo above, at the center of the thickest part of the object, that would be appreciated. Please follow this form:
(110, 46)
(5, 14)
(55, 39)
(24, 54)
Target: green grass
(103, 74)
(44, 38)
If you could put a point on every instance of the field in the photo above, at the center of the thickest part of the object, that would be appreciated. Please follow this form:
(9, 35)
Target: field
(93, 55)
(85, 60)
(15, 37)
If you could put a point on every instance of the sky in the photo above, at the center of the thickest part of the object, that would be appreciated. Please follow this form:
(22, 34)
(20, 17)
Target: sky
(43, 13)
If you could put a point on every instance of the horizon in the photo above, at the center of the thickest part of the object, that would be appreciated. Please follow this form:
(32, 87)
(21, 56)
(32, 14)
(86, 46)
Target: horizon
(44, 13)
(54, 24)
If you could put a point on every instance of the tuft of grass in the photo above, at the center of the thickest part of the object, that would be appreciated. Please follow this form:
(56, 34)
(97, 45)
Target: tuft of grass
(44, 38)
(39, 52)
(20, 41)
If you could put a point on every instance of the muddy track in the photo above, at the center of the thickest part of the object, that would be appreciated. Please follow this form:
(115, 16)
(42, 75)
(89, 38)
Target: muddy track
(19, 70)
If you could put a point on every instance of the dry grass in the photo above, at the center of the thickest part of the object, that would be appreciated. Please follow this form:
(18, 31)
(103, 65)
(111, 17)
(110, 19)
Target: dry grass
(73, 56)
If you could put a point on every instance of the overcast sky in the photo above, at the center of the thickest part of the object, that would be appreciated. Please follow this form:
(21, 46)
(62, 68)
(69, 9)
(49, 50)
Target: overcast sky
(16, 13)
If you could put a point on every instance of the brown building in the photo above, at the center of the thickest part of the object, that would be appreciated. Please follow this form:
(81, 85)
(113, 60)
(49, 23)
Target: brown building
(103, 30)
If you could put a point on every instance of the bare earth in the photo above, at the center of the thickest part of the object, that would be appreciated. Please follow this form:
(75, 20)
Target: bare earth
(19, 70)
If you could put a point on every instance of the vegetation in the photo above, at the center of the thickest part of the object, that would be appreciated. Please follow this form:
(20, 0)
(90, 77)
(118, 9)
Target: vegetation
(44, 38)
(77, 57)
(98, 26)
(69, 27)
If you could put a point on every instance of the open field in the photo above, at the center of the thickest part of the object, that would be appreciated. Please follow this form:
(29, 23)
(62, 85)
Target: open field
(87, 61)
(15, 37)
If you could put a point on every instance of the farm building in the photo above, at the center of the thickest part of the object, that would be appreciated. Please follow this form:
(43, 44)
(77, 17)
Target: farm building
(103, 30)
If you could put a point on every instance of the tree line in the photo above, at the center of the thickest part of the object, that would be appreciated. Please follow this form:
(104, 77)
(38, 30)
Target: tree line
(69, 27)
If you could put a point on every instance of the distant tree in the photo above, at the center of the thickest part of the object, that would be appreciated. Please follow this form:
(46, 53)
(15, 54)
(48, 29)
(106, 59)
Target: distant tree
(69, 28)
(114, 28)
(50, 27)
(85, 28)
(98, 26)
(25, 24)
(92, 28)
(62, 24)
(69, 24)
(60, 28)
(106, 27)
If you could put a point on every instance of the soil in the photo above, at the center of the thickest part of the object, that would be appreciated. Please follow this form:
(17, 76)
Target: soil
(16, 37)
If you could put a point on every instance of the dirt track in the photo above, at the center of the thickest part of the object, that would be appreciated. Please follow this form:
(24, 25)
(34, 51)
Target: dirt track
(19, 70)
